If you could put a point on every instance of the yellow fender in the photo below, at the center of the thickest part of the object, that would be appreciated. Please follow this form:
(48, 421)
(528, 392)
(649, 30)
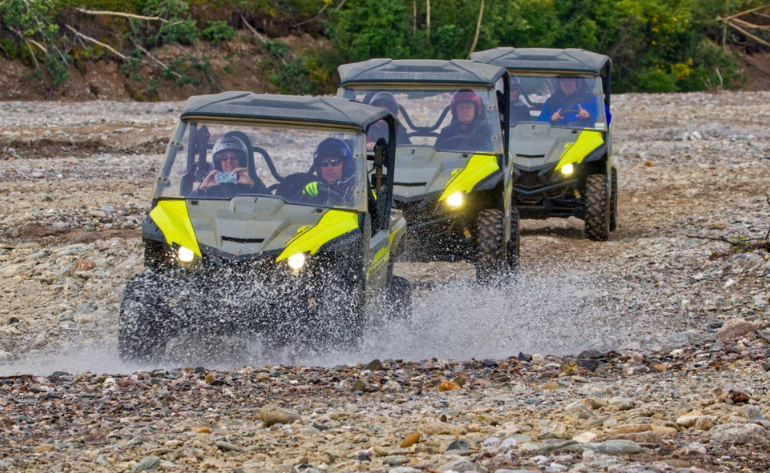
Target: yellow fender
(479, 167)
(173, 220)
(309, 239)
(574, 153)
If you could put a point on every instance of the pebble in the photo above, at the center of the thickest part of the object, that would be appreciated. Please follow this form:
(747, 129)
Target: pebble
(271, 414)
(644, 344)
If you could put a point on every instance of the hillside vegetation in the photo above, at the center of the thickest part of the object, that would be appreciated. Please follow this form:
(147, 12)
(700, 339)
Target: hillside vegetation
(158, 45)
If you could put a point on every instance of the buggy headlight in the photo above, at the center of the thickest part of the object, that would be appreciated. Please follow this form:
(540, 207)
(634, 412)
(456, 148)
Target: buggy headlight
(455, 200)
(297, 262)
(185, 255)
(567, 169)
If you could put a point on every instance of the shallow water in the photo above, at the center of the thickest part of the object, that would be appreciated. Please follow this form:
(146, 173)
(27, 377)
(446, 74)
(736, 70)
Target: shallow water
(560, 311)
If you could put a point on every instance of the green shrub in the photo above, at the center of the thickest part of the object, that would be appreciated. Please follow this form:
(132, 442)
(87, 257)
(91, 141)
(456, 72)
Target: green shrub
(218, 31)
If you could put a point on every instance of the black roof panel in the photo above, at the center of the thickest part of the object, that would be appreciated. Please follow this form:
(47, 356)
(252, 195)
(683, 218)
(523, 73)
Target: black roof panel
(543, 59)
(247, 105)
(456, 71)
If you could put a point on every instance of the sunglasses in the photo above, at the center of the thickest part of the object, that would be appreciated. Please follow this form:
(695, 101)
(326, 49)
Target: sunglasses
(330, 162)
(230, 156)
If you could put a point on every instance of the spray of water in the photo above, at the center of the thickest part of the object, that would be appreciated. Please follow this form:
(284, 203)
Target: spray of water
(562, 311)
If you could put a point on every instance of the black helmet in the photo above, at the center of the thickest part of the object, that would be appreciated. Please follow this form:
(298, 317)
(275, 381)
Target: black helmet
(334, 148)
(229, 143)
(385, 99)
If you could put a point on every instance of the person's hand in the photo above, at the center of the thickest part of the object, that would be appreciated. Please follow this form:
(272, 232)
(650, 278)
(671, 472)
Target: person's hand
(583, 113)
(557, 115)
(243, 177)
(209, 181)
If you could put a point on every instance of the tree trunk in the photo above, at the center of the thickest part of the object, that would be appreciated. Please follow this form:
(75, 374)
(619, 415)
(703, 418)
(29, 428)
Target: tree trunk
(478, 27)
(428, 24)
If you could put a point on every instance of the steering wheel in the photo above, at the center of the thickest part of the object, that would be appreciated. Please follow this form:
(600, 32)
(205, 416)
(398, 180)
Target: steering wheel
(458, 143)
(574, 113)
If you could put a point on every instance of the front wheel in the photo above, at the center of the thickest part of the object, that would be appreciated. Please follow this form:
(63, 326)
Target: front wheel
(490, 233)
(597, 208)
(512, 255)
(340, 324)
(142, 323)
(401, 298)
(614, 199)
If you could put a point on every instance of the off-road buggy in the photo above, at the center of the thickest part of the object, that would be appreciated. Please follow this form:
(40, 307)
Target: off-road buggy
(561, 139)
(453, 174)
(247, 237)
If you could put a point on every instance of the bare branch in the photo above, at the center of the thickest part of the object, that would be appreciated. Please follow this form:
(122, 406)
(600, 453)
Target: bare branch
(746, 24)
(30, 40)
(314, 18)
(755, 38)
(125, 15)
(92, 40)
(253, 30)
(743, 13)
(161, 64)
(342, 3)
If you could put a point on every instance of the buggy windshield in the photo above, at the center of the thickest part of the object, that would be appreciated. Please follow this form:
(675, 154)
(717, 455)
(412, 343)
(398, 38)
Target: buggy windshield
(305, 166)
(464, 120)
(568, 101)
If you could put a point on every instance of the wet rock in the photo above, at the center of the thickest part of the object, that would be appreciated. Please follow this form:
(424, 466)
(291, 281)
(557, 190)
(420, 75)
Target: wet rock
(374, 365)
(410, 440)
(647, 438)
(689, 419)
(272, 414)
(705, 423)
(458, 446)
(447, 385)
(146, 464)
(740, 434)
(434, 427)
(462, 466)
(735, 329)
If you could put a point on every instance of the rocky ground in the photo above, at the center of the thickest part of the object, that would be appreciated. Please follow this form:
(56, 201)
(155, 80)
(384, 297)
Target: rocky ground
(641, 354)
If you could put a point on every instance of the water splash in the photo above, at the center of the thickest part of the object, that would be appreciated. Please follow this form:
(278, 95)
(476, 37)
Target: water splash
(560, 311)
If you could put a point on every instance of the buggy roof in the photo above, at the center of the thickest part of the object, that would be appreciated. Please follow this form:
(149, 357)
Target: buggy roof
(283, 108)
(544, 59)
(456, 71)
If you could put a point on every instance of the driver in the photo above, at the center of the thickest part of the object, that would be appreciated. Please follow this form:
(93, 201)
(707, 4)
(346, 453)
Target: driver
(569, 104)
(386, 101)
(230, 156)
(333, 164)
(468, 130)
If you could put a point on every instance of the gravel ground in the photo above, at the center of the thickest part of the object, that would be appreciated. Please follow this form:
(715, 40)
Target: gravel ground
(641, 354)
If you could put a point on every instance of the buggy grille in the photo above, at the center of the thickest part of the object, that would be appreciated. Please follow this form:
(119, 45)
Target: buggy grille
(532, 179)
(243, 240)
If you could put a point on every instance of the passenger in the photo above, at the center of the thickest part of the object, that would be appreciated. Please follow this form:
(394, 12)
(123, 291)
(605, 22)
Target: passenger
(570, 104)
(333, 163)
(469, 131)
(386, 101)
(230, 175)
(519, 109)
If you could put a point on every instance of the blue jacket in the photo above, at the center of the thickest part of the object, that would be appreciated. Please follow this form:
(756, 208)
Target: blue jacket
(567, 102)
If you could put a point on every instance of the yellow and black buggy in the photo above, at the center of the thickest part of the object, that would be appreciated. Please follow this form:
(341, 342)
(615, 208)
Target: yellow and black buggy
(453, 173)
(270, 217)
(561, 140)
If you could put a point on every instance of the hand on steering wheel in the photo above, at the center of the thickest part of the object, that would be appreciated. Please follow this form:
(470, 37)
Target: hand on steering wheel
(321, 192)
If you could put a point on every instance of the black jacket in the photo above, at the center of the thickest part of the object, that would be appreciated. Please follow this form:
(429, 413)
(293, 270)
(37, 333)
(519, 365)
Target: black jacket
(475, 137)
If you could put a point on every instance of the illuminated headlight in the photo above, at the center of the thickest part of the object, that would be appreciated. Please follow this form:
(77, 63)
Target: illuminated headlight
(567, 169)
(297, 262)
(185, 255)
(455, 200)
